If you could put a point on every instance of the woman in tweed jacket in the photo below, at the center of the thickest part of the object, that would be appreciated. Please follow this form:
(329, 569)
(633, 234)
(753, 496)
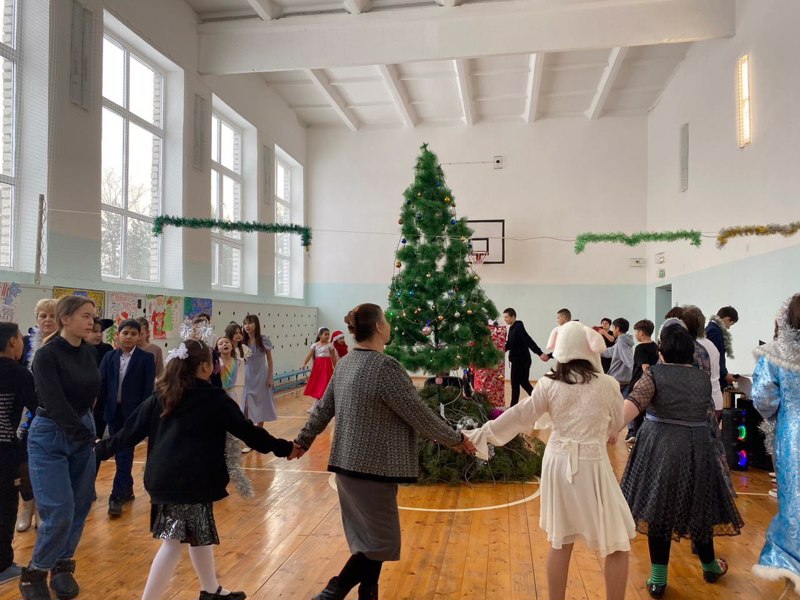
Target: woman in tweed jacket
(378, 416)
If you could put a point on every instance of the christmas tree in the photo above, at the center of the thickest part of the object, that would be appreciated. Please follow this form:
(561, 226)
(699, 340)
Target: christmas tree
(437, 309)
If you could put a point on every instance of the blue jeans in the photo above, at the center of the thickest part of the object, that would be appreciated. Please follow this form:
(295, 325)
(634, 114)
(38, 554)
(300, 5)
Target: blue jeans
(123, 479)
(62, 476)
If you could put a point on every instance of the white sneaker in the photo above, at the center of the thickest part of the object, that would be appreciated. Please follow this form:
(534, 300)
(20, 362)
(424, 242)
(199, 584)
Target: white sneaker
(773, 492)
(772, 474)
(246, 449)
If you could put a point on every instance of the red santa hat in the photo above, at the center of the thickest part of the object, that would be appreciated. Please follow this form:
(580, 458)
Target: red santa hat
(337, 335)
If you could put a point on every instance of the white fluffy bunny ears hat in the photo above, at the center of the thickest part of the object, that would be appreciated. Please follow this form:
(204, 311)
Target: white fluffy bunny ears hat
(573, 341)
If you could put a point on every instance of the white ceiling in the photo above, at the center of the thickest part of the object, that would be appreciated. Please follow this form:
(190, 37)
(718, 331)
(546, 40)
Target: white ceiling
(619, 81)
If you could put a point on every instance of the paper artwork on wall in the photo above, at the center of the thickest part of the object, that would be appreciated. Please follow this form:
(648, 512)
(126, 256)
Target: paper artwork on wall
(165, 316)
(96, 296)
(121, 306)
(194, 306)
(9, 301)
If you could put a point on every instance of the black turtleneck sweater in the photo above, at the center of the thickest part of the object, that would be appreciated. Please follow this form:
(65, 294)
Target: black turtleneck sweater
(16, 393)
(67, 384)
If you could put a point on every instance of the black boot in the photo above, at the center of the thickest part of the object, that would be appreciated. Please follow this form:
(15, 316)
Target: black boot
(33, 584)
(333, 591)
(368, 592)
(62, 580)
(218, 596)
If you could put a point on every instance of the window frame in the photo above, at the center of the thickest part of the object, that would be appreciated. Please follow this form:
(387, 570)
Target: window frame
(218, 237)
(13, 54)
(286, 203)
(128, 117)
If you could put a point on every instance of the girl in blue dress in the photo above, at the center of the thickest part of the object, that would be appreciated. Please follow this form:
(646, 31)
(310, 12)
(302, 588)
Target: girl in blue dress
(776, 395)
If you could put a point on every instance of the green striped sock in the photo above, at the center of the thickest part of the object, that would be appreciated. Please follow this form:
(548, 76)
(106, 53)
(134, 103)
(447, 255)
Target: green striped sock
(713, 566)
(658, 574)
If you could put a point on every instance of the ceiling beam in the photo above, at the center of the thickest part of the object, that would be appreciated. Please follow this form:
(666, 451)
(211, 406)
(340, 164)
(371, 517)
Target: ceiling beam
(534, 86)
(323, 84)
(356, 7)
(475, 29)
(461, 67)
(399, 94)
(615, 60)
(266, 9)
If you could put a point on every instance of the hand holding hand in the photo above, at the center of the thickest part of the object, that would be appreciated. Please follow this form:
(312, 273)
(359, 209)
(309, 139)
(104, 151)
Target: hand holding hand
(297, 451)
(544, 357)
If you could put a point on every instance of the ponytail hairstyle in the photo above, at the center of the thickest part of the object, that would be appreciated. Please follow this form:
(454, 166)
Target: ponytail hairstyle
(66, 307)
(179, 374)
(230, 332)
(258, 341)
(363, 320)
(320, 331)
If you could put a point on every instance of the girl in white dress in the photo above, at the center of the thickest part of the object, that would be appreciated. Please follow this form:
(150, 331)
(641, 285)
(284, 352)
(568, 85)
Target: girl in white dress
(580, 496)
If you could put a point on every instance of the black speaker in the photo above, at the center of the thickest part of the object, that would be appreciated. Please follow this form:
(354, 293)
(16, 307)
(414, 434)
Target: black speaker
(754, 444)
(734, 438)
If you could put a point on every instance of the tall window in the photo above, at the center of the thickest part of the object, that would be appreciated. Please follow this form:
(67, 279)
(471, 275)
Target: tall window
(132, 163)
(283, 216)
(226, 201)
(743, 108)
(9, 67)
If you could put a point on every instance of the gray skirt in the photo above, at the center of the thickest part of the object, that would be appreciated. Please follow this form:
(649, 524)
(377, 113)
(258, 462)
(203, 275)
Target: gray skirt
(370, 517)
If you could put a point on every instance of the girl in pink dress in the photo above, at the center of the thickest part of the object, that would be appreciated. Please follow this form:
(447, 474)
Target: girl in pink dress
(324, 356)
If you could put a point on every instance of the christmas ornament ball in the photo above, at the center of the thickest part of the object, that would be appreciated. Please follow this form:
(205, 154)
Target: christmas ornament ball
(426, 330)
(441, 317)
(398, 264)
(469, 311)
(439, 381)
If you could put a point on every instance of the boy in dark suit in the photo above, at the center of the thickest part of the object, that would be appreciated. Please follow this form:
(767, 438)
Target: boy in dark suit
(519, 345)
(127, 377)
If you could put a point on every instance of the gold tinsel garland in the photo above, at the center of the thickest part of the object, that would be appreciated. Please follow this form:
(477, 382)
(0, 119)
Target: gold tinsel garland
(727, 233)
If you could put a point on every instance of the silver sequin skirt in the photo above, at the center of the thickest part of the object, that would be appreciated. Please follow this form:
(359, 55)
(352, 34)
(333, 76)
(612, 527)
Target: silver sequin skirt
(191, 524)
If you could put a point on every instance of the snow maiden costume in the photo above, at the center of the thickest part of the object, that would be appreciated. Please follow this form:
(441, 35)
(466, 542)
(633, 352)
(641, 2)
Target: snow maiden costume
(580, 494)
(776, 395)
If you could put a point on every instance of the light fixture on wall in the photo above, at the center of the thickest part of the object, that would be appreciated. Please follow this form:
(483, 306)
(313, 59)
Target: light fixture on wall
(743, 105)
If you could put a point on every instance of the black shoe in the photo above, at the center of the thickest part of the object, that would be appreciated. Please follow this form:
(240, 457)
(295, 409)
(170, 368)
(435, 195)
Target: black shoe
(368, 592)
(711, 576)
(62, 580)
(129, 497)
(217, 596)
(656, 590)
(114, 507)
(332, 591)
(33, 584)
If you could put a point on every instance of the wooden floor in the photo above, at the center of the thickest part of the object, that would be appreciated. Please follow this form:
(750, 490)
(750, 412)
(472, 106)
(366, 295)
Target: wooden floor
(288, 541)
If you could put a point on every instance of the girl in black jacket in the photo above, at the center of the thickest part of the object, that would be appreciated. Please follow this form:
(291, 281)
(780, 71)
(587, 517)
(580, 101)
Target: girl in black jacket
(186, 421)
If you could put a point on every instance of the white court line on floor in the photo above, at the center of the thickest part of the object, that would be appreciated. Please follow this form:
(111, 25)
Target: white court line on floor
(141, 462)
(751, 494)
(332, 483)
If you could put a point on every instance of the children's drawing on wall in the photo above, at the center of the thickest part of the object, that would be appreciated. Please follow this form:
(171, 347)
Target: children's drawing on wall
(96, 296)
(194, 306)
(164, 313)
(9, 301)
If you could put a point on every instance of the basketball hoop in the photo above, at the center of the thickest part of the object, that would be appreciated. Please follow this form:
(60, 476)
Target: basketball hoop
(477, 257)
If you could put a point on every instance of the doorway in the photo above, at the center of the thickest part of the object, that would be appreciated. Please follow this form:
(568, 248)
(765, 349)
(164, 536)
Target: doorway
(663, 304)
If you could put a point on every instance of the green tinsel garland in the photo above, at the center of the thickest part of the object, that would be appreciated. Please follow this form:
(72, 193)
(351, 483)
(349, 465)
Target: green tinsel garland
(247, 226)
(518, 460)
(635, 239)
(772, 229)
